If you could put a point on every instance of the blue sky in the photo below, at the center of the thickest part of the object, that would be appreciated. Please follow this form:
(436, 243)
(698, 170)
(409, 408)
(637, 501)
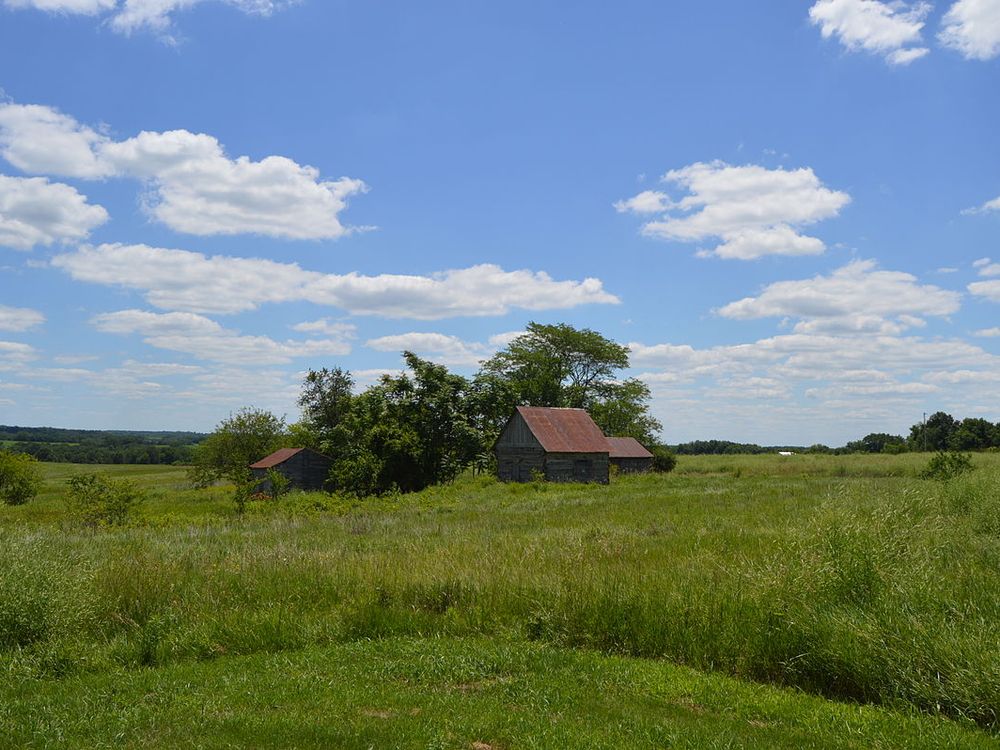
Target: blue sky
(790, 211)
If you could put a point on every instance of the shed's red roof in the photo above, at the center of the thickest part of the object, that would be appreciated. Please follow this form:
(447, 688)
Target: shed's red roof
(564, 430)
(626, 447)
(278, 457)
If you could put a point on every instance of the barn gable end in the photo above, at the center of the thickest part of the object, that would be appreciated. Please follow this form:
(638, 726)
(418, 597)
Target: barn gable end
(563, 445)
(304, 468)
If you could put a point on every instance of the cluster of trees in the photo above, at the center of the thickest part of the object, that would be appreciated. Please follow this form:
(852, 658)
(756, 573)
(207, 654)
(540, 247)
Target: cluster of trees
(101, 446)
(941, 432)
(427, 424)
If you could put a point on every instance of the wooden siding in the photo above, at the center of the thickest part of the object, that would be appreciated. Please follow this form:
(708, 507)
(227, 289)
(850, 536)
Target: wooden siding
(306, 470)
(576, 467)
(633, 465)
(520, 458)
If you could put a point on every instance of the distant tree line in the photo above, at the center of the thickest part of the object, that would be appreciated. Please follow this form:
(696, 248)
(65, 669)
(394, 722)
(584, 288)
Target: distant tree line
(101, 446)
(426, 425)
(941, 432)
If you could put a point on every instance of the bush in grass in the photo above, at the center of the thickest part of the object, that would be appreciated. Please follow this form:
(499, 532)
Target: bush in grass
(663, 460)
(98, 500)
(947, 465)
(277, 484)
(20, 478)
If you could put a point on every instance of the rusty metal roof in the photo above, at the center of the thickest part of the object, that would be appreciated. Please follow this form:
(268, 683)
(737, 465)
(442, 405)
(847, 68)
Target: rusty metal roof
(564, 430)
(626, 447)
(278, 457)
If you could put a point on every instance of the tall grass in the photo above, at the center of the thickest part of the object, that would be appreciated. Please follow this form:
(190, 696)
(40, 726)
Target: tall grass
(879, 590)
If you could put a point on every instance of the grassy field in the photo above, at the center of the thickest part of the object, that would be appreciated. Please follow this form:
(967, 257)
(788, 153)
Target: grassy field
(846, 577)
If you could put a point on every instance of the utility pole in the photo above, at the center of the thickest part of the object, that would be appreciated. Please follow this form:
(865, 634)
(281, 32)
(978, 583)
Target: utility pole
(925, 432)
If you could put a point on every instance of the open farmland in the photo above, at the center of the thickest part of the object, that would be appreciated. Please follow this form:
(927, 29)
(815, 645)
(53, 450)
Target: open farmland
(661, 609)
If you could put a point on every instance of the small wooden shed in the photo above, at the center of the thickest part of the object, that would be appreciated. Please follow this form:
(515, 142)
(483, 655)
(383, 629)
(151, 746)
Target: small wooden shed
(303, 467)
(561, 445)
(629, 456)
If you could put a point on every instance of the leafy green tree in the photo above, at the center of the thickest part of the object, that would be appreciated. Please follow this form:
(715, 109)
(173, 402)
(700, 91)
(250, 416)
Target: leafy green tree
(408, 432)
(20, 478)
(559, 365)
(934, 435)
(875, 442)
(242, 439)
(972, 434)
(326, 400)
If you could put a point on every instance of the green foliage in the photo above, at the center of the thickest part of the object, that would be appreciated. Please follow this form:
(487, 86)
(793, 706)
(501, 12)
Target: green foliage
(326, 400)
(664, 460)
(20, 478)
(876, 442)
(100, 500)
(947, 465)
(244, 438)
(559, 365)
(407, 432)
(277, 483)
(934, 435)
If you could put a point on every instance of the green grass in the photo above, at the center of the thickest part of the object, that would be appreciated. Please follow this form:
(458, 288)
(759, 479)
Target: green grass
(445, 693)
(842, 576)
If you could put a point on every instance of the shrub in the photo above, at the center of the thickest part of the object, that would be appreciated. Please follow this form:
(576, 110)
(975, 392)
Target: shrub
(277, 483)
(98, 500)
(663, 460)
(20, 478)
(947, 465)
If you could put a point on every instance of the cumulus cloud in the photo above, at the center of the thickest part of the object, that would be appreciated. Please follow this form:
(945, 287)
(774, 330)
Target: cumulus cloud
(41, 140)
(891, 29)
(754, 210)
(14, 353)
(135, 15)
(207, 340)
(972, 27)
(19, 318)
(988, 289)
(855, 298)
(192, 186)
(993, 205)
(988, 332)
(187, 281)
(76, 7)
(439, 347)
(857, 383)
(34, 211)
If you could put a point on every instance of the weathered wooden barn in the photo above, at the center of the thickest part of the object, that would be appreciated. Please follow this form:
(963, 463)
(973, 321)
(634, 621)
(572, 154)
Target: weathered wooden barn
(561, 445)
(304, 468)
(629, 456)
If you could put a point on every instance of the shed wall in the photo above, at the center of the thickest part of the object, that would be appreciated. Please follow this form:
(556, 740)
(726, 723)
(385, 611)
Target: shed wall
(633, 465)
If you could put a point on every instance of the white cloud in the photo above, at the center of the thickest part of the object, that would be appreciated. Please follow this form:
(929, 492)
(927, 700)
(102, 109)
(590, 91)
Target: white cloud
(34, 211)
(891, 29)
(993, 205)
(192, 282)
(439, 347)
(987, 332)
(205, 339)
(77, 7)
(192, 185)
(752, 209)
(14, 353)
(988, 289)
(135, 15)
(972, 27)
(327, 327)
(197, 189)
(855, 298)
(42, 140)
(19, 318)
(646, 202)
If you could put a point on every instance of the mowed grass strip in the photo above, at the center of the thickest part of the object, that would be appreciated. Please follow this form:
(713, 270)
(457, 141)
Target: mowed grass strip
(445, 693)
(875, 587)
